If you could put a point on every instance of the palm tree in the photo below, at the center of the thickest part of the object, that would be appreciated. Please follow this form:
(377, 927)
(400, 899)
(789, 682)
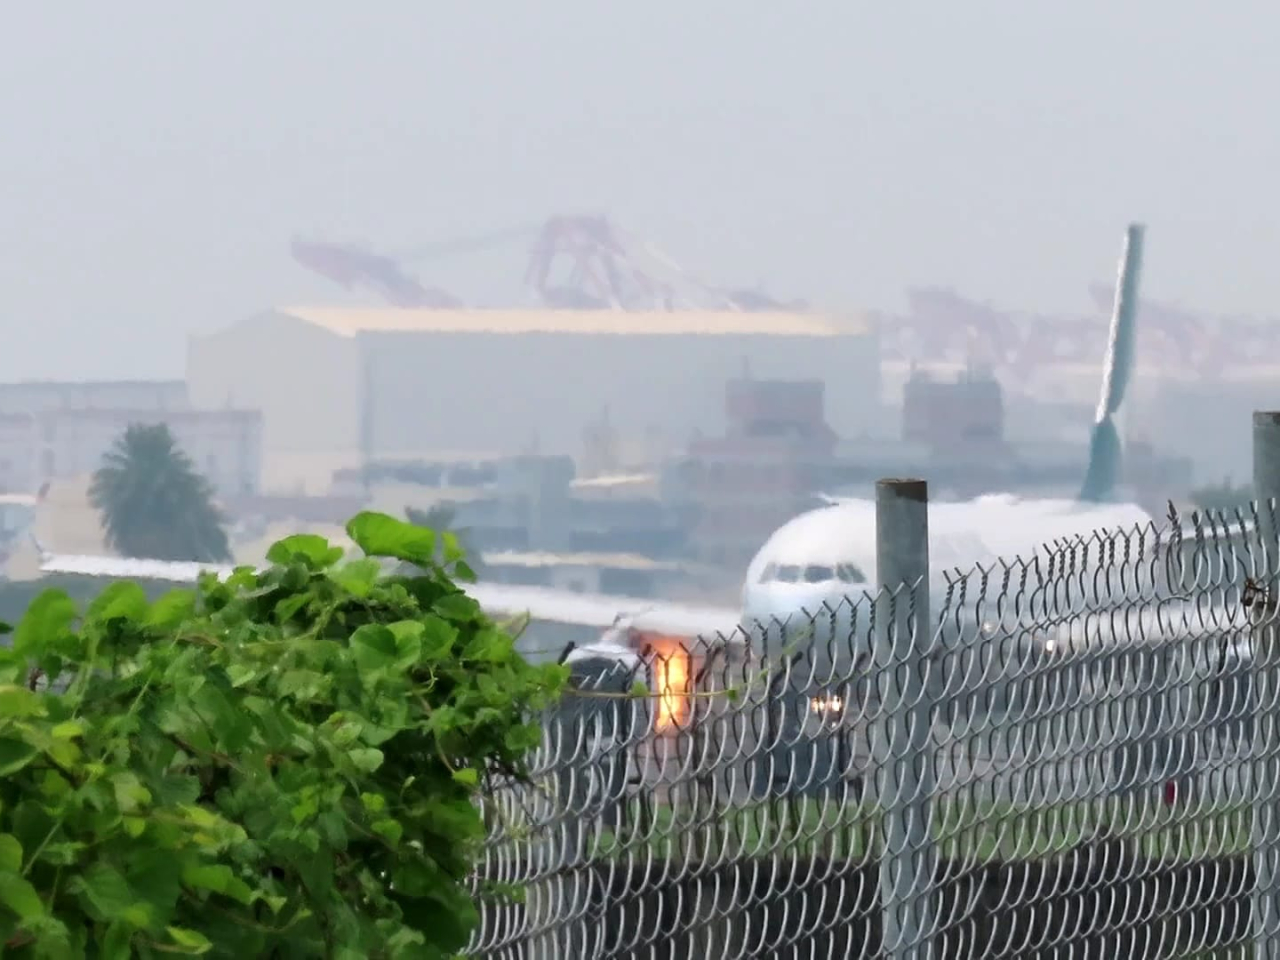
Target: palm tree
(153, 503)
(441, 517)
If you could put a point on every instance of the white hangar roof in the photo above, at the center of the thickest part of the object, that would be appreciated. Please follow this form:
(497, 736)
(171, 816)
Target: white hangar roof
(348, 322)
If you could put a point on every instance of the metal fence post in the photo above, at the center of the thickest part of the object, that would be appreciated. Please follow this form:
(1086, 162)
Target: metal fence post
(1266, 808)
(903, 641)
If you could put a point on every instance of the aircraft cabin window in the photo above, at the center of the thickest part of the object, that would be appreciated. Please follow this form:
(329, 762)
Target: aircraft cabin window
(789, 574)
(769, 572)
(850, 573)
(816, 574)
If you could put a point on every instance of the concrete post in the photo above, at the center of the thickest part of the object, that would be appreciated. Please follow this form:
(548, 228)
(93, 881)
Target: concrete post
(904, 778)
(1266, 691)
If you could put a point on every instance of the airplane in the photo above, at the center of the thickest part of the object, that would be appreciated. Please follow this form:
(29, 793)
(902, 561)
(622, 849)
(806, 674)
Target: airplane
(816, 561)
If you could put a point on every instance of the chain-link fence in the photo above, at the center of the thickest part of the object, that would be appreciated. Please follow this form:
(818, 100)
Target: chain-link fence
(1059, 755)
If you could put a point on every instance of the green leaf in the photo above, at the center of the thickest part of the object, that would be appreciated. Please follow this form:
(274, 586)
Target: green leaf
(438, 637)
(467, 776)
(118, 942)
(457, 607)
(20, 897)
(47, 620)
(306, 686)
(30, 822)
(69, 729)
(408, 635)
(106, 891)
(172, 609)
(453, 551)
(14, 755)
(489, 646)
(288, 608)
(380, 535)
(19, 702)
(62, 854)
(241, 674)
(310, 548)
(217, 878)
(366, 759)
(443, 910)
(373, 646)
(389, 830)
(191, 941)
(138, 915)
(346, 730)
(129, 791)
(357, 577)
(10, 853)
(120, 600)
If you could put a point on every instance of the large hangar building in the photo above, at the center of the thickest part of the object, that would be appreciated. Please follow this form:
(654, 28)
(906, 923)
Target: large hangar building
(338, 385)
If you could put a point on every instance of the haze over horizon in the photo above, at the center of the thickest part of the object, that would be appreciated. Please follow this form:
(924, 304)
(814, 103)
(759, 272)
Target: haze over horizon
(160, 157)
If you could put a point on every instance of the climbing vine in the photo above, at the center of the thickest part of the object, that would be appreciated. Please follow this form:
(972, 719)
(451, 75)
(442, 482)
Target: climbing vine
(282, 764)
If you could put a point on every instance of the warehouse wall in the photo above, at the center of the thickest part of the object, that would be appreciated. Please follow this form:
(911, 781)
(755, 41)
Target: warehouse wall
(478, 394)
(303, 378)
(500, 392)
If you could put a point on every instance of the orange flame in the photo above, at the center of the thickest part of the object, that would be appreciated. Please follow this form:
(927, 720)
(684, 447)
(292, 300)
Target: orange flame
(671, 668)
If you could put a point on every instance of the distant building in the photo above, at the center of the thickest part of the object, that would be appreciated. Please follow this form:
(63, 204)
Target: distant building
(738, 488)
(616, 574)
(1203, 421)
(779, 455)
(225, 446)
(65, 522)
(297, 511)
(38, 396)
(1211, 422)
(966, 411)
(59, 431)
(533, 504)
(398, 383)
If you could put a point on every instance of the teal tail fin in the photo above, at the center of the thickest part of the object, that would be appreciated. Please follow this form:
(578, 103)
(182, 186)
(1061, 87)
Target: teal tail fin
(1105, 453)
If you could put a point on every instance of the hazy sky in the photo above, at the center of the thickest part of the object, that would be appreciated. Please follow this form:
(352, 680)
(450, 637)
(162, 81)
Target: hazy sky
(158, 156)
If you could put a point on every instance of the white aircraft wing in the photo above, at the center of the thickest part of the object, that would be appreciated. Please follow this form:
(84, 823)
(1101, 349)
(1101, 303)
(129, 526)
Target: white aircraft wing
(128, 568)
(539, 603)
(600, 610)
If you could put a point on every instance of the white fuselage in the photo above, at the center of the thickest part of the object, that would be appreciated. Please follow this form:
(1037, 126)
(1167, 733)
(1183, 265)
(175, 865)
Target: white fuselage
(816, 566)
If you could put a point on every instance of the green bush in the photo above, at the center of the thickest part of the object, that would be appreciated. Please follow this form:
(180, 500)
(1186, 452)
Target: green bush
(285, 764)
(17, 595)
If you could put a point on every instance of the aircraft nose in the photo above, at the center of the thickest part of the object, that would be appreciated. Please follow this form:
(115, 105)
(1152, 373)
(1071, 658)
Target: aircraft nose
(798, 607)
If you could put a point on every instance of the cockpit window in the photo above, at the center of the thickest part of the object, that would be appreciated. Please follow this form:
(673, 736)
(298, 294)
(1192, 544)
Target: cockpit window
(816, 574)
(850, 573)
(812, 573)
